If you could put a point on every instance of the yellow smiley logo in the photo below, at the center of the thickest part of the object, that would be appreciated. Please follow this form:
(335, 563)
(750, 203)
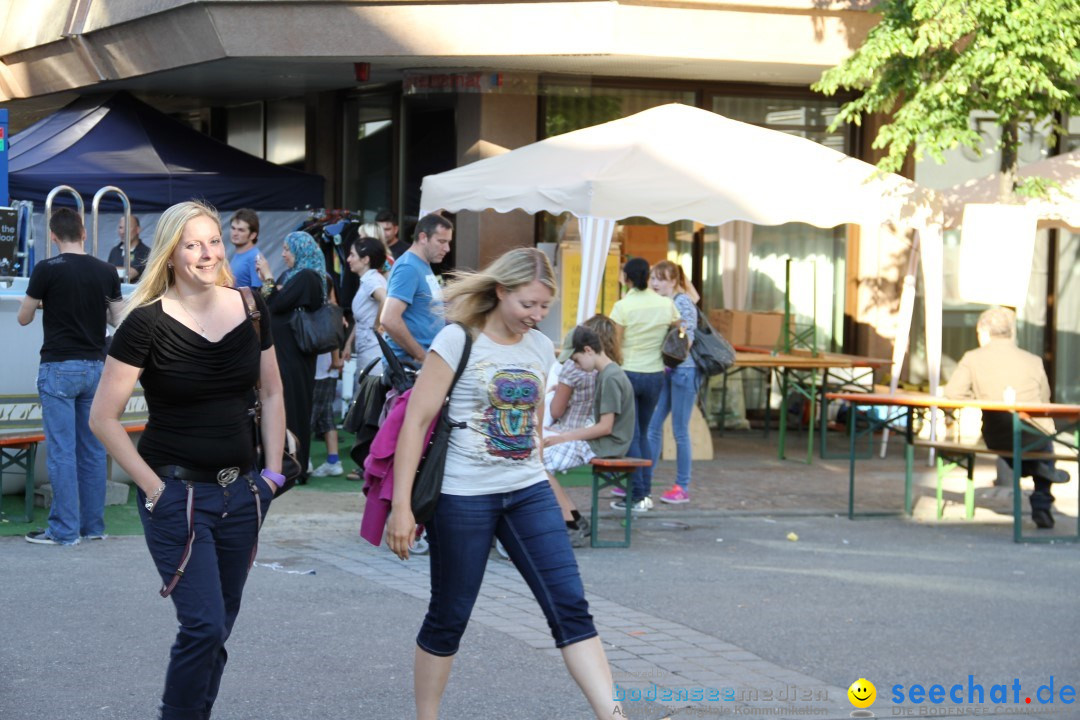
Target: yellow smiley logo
(862, 693)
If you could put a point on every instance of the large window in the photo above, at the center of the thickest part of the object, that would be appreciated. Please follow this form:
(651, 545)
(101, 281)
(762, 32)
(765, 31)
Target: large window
(273, 130)
(368, 163)
(803, 117)
(817, 255)
(572, 107)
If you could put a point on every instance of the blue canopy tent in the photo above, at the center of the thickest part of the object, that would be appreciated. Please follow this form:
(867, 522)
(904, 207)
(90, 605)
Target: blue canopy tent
(156, 160)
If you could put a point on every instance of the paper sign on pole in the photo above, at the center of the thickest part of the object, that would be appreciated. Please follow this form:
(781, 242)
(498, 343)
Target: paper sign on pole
(997, 245)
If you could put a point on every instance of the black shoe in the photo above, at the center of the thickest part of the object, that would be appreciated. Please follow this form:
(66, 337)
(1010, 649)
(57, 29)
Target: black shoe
(579, 536)
(1043, 519)
(1060, 476)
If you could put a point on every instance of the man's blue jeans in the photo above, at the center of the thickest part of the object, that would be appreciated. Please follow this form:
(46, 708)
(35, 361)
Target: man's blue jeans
(646, 393)
(75, 458)
(677, 394)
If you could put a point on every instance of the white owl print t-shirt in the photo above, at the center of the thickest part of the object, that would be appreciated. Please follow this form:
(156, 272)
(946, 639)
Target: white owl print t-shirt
(497, 397)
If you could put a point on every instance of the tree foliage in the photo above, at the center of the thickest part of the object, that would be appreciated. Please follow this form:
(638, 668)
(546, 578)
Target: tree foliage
(933, 62)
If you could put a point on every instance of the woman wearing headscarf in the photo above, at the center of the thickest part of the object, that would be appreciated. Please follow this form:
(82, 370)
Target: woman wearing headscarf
(302, 285)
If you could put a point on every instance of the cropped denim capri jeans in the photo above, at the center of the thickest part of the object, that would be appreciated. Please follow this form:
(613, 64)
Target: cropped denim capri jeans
(529, 524)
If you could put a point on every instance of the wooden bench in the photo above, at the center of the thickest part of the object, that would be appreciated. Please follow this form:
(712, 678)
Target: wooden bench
(19, 452)
(951, 455)
(580, 476)
(612, 472)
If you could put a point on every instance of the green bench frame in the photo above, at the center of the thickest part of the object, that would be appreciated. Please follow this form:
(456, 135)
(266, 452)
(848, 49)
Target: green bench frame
(603, 473)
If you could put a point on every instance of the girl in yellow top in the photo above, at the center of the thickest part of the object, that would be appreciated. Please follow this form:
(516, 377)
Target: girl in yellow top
(642, 319)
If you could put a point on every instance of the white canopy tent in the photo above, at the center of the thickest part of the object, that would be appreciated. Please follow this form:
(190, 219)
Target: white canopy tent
(1060, 209)
(676, 162)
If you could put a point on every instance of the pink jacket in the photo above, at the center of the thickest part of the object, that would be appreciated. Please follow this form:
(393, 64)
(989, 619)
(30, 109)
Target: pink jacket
(379, 471)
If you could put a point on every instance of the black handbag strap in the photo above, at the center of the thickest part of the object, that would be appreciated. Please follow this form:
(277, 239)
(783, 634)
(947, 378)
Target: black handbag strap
(702, 324)
(255, 317)
(395, 370)
(465, 352)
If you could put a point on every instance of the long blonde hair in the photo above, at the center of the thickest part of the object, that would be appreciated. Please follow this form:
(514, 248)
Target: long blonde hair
(470, 296)
(157, 277)
(374, 230)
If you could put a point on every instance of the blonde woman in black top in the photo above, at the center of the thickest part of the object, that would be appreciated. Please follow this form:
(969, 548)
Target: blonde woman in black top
(188, 339)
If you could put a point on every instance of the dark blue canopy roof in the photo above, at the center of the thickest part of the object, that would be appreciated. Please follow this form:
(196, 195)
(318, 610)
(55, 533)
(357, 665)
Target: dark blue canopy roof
(156, 160)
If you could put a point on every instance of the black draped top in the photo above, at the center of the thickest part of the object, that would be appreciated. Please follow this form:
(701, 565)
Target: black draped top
(199, 393)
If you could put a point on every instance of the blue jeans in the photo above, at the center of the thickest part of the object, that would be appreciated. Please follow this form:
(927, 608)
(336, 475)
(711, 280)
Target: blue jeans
(646, 393)
(207, 598)
(529, 524)
(677, 395)
(75, 458)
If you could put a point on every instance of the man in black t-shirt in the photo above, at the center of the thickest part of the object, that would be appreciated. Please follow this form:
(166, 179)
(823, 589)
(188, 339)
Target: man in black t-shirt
(139, 251)
(77, 293)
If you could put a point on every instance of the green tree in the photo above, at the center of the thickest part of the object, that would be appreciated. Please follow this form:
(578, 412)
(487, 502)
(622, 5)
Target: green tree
(931, 63)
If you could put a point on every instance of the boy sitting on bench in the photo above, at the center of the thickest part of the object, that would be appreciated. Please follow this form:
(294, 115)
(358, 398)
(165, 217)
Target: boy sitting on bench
(613, 410)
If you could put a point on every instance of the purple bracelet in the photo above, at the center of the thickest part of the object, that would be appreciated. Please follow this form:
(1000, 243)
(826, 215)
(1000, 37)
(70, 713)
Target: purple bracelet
(276, 478)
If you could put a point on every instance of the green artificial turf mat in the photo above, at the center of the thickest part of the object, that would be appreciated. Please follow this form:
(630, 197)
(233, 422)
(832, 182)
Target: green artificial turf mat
(119, 519)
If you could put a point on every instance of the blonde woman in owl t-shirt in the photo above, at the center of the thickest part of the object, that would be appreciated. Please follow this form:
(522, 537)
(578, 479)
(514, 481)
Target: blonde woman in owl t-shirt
(494, 484)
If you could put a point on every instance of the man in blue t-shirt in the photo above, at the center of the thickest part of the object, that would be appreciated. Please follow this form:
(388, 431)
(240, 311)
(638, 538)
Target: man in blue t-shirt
(244, 233)
(413, 312)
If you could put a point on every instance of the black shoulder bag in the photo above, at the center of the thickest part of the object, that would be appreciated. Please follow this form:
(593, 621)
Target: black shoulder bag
(429, 475)
(712, 353)
(321, 330)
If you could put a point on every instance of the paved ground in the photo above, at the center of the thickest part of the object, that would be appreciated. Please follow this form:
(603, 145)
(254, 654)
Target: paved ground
(712, 597)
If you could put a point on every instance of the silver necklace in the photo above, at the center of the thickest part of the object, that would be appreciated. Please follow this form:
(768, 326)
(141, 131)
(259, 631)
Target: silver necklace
(201, 328)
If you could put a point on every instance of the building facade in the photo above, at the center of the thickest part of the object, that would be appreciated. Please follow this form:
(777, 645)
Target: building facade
(374, 96)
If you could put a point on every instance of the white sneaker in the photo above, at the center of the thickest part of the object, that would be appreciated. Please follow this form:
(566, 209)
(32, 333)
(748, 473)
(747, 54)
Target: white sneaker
(328, 470)
(645, 504)
(501, 550)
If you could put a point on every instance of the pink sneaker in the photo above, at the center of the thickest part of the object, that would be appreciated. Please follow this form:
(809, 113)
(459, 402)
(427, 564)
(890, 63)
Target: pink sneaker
(618, 492)
(675, 496)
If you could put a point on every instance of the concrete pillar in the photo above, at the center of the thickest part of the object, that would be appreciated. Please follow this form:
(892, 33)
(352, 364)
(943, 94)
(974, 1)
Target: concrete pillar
(323, 120)
(487, 123)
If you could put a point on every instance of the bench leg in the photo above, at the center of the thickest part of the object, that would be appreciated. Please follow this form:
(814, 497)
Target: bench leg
(594, 513)
(23, 459)
(601, 480)
(945, 465)
(851, 469)
(969, 490)
(943, 469)
(909, 463)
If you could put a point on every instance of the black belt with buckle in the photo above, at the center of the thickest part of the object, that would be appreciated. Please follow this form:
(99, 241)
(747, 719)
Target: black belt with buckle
(223, 477)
